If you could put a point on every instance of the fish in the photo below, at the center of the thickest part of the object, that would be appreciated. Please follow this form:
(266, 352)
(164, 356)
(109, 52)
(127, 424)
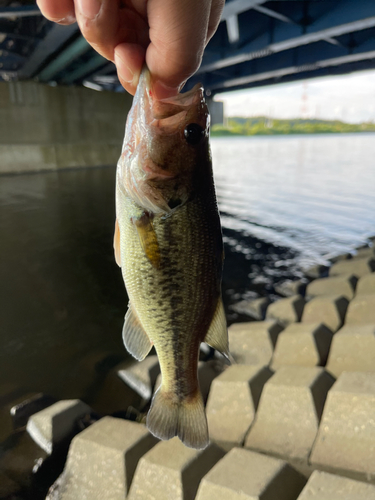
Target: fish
(168, 243)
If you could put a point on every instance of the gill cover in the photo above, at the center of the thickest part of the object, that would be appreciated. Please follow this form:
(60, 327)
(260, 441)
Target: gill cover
(163, 146)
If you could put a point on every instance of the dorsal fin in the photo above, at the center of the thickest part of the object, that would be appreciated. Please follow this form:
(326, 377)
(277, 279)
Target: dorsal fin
(217, 335)
(116, 244)
(135, 338)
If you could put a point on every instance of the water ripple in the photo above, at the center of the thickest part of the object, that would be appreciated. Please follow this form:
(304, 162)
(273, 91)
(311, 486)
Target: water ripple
(314, 194)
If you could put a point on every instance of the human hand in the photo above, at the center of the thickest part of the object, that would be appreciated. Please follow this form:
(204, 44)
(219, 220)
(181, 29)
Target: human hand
(170, 35)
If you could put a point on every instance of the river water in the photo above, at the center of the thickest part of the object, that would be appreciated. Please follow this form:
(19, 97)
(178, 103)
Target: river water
(286, 203)
(314, 194)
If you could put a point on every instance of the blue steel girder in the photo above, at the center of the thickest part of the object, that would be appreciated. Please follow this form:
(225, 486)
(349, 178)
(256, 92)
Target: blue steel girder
(284, 39)
(55, 39)
(340, 68)
(19, 11)
(345, 17)
(257, 42)
(254, 73)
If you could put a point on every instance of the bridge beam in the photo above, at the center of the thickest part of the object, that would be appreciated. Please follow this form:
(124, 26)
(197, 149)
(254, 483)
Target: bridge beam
(73, 51)
(275, 76)
(54, 40)
(346, 17)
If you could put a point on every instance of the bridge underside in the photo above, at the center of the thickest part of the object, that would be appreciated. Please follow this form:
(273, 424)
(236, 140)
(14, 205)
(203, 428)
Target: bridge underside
(258, 42)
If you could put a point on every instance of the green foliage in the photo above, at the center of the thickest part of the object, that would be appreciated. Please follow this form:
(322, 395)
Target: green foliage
(269, 126)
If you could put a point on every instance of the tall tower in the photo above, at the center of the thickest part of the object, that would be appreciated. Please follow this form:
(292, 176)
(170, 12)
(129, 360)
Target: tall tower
(304, 101)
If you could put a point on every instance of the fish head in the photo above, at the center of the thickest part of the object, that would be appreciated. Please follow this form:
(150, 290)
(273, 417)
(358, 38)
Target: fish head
(166, 146)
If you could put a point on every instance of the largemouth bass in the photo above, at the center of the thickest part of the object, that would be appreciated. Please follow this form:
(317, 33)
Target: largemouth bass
(168, 243)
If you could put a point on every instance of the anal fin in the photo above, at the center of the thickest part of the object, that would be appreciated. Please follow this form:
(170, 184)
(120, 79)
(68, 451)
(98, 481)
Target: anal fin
(135, 338)
(217, 335)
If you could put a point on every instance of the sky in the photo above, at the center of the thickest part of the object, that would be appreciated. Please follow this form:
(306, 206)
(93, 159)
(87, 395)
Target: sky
(350, 98)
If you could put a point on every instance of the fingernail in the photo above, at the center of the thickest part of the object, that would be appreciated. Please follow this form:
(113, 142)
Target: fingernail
(70, 19)
(122, 68)
(89, 8)
(162, 91)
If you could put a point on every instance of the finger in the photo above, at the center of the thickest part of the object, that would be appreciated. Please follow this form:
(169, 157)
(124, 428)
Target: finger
(178, 32)
(129, 59)
(217, 7)
(105, 25)
(59, 11)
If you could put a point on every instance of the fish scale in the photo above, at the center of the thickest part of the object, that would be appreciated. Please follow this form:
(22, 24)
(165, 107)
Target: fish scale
(171, 259)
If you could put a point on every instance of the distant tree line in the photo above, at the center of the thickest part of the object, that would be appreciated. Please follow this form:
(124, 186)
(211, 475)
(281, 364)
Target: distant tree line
(262, 125)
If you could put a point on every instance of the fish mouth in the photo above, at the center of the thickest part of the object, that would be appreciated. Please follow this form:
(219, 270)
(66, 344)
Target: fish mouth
(168, 115)
(167, 108)
(154, 172)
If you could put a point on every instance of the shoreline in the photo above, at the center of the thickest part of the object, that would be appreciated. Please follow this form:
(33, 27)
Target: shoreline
(273, 134)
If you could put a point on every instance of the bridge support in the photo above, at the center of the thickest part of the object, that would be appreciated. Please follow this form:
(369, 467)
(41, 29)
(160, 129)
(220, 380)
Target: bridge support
(49, 128)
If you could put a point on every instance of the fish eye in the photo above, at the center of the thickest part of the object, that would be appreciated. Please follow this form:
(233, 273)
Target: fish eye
(193, 133)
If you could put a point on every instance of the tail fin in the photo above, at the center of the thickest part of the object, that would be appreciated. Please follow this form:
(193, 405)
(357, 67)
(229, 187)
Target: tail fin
(185, 419)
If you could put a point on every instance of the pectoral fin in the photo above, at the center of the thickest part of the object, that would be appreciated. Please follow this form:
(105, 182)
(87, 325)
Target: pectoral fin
(116, 244)
(148, 239)
(217, 335)
(135, 338)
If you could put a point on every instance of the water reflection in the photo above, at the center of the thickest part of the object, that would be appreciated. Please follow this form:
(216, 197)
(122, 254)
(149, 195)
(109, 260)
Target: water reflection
(61, 295)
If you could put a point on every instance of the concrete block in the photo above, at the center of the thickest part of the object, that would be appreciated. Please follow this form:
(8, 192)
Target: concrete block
(102, 460)
(366, 285)
(11, 397)
(51, 426)
(358, 267)
(316, 271)
(54, 490)
(289, 412)
(245, 475)
(364, 252)
(286, 311)
(352, 350)
(327, 309)
(345, 443)
(324, 486)
(361, 309)
(338, 285)
(253, 343)
(255, 308)
(207, 372)
(34, 403)
(288, 288)
(302, 344)
(172, 471)
(112, 395)
(338, 258)
(141, 376)
(233, 401)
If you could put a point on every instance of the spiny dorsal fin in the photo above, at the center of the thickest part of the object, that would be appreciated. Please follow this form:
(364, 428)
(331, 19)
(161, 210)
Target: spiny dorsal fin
(135, 338)
(116, 244)
(148, 239)
(217, 335)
